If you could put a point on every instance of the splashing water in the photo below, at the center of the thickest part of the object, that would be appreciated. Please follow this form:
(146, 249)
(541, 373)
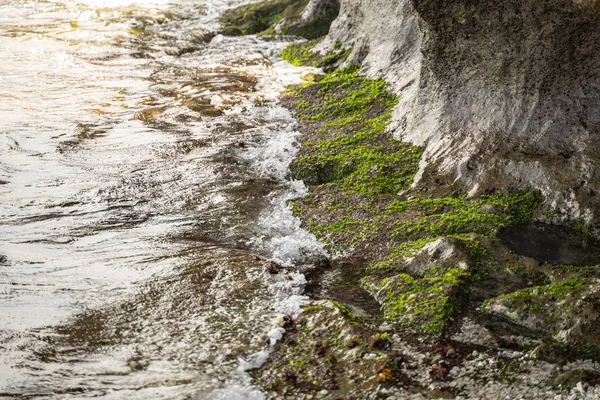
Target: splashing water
(143, 182)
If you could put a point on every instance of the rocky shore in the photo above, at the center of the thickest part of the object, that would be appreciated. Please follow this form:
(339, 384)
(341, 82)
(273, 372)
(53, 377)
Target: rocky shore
(450, 158)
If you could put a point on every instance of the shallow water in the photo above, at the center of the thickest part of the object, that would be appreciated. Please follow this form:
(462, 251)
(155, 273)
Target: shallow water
(142, 184)
(552, 244)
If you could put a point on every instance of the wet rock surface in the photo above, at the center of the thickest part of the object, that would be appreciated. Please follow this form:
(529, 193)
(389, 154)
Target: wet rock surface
(435, 264)
(306, 18)
(428, 188)
(497, 94)
(434, 261)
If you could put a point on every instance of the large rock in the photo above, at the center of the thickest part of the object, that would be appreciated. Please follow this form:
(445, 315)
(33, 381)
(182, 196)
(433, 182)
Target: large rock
(313, 22)
(501, 94)
(307, 18)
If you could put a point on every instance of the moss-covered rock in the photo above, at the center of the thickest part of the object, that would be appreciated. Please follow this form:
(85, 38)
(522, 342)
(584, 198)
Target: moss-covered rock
(314, 21)
(360, 203)
(565, 311)
(349, 146)
(258, 17)
(302, 54)
(431, 255)
(290, 17)
(328, 350)
(423, 304)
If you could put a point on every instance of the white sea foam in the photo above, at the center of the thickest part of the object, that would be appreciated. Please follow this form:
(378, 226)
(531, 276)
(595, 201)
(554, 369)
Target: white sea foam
(253, 361)
(279, 233)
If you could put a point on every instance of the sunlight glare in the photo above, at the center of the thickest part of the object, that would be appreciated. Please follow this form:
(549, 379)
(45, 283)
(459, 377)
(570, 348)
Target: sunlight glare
(116, 3)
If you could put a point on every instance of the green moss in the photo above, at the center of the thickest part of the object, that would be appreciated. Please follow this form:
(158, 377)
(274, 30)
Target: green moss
(258, 17)
(361, 201)
(587, 271)
(315, 28)
(302, 54)
(357, 230)
(460, 215)
(355, 152)
(557, 291)
(405, 250)
(423, 304)
(298, 363)
(310, 309)
(543, 306)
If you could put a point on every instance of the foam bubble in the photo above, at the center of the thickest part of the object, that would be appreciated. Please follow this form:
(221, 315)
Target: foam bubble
(279, 233)
(253, 361)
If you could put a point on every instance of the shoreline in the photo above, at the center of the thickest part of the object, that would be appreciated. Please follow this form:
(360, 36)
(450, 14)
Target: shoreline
(467, 313)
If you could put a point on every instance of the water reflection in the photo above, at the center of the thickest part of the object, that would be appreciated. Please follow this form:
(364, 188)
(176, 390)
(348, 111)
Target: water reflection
(142, 175)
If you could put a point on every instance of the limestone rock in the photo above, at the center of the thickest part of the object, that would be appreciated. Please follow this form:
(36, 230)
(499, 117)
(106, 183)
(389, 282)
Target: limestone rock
(500, 94)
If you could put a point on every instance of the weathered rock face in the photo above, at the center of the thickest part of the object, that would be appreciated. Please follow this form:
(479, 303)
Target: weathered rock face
(500, 94)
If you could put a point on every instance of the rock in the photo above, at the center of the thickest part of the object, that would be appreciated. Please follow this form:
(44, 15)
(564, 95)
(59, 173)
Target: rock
(572, 378)
(566, 312)
(446, 252)
(500, 94)
(474, 333)
(308, 19)
(424, 304)
(317, 359)
(314, 21)
(258, 17)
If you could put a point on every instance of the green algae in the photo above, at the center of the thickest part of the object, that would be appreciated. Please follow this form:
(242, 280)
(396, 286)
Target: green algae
(302, 54)
(258, 17)
(310, 309)
(316, 357)
(423, 304)
(542, 308)
(350, 153)
(361, 203)
(355, 151)
(555, 291)
(347, 314)
(459, 215)
(400, 252)
(359, 178)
